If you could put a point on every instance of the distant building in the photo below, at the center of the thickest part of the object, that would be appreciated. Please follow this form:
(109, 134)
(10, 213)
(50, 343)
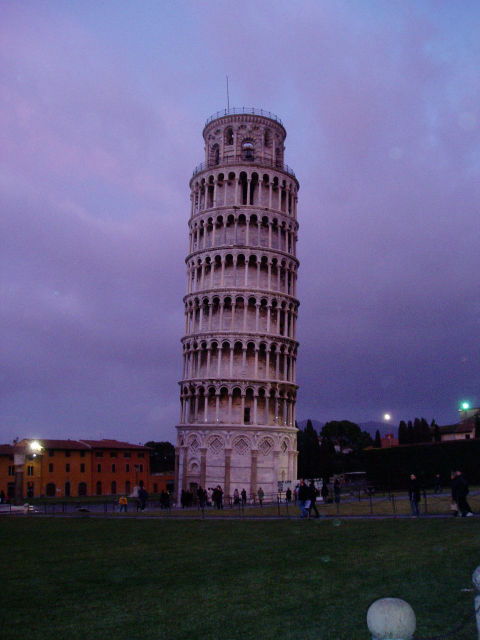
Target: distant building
(463, 430)
(388, 441)
(76, 468)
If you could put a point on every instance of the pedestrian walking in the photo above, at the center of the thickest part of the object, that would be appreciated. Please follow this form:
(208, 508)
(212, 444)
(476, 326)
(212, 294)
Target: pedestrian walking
(414, 495)
(303, 499)
(461, 491)
(313, 497)
(261, 495)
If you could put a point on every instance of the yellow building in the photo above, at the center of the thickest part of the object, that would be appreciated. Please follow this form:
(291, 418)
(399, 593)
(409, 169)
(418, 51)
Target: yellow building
(63, 468)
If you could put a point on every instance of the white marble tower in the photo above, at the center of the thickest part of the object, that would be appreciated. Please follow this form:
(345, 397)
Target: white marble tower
(238, 391)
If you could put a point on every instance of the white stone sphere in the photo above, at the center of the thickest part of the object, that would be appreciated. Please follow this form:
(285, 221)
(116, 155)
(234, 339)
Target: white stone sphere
(476, 578)
(391, 618)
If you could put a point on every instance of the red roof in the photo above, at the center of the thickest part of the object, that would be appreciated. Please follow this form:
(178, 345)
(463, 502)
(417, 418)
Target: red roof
(83, 444)
(112, 444)
(6, 450)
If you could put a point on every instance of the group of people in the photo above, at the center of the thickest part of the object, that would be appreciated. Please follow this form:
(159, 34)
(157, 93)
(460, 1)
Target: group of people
(205, 497)
(459, 487)
(306, 496)
(140, 494)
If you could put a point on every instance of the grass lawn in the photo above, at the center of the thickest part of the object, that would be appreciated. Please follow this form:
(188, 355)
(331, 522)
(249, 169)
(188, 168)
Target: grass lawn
(94, 578)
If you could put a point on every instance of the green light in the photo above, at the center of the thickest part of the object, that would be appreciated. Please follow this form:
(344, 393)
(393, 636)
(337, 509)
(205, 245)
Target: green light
(465, 406)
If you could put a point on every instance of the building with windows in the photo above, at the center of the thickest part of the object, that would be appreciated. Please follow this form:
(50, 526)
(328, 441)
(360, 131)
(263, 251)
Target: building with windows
(238, 389)
(74, 468)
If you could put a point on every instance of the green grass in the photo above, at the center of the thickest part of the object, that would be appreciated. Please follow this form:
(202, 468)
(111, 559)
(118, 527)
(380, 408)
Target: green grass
(86, 578)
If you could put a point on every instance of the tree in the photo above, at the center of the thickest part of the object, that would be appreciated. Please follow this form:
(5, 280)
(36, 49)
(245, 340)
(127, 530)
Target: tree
(162, 456)
(378, 440)
(402, 432)
(308, 452)
(346, 435)
(410, 439)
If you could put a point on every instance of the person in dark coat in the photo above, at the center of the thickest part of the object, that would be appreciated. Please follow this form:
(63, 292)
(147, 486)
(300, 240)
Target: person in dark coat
(303, 498)
(313, 497)
(142, 496)
(244, 497)
(288, 496)
(324, 491)
(201, 497)
(453, 484)
(461, 491)
(336, 491)
(414, 494)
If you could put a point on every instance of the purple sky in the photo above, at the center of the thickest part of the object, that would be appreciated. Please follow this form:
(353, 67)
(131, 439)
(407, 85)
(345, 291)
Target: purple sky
(102, 107)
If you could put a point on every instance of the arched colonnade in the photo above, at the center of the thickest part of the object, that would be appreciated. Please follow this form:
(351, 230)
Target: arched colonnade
(223, 403)
(239, 359)
(247, 269)
(224, 312)
(257, 229)
(243, 188)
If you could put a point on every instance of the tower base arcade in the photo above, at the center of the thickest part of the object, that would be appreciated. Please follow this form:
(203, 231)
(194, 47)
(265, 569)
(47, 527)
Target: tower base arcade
(246, 458)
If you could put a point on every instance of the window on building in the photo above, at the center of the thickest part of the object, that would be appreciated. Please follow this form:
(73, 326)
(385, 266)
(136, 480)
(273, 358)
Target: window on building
(127, 454)
(155, 487)
(67, 489)
(140, 466)
(246, 415)
(51, 453)
(82, 489)
(82, 467)
(99, 454)
(50, 467)
(67, 467)
(127, 467)
(99, 468)
(99, 488)
(30, 470)
(127, 487)
(67, 454)
(113, 454)
(11, 470)
(113, 488)
(82, 454)
(141, 454)
(114, 468)
(30, 491)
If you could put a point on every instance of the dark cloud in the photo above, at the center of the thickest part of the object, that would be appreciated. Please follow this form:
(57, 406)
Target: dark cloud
(101, 114)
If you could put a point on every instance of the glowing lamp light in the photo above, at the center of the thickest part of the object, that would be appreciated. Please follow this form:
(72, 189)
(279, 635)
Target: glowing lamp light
(35, 446)
(465, 406)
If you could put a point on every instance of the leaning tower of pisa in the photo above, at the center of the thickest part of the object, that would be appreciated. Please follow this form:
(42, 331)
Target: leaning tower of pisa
(238, 390)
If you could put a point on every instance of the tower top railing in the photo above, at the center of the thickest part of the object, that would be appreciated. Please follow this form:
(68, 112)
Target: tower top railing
(241, 160)
(233, 111)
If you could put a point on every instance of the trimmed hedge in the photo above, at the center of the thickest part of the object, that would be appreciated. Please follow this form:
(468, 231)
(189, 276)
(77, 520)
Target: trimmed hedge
(391, 468)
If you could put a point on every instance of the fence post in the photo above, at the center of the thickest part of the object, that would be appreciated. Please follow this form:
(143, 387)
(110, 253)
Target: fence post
(476, 584)
(391, 618)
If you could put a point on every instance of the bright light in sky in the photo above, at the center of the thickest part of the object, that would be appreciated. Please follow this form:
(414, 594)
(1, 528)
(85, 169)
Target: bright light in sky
(387, 416)
(465, 405)
(35, 446)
